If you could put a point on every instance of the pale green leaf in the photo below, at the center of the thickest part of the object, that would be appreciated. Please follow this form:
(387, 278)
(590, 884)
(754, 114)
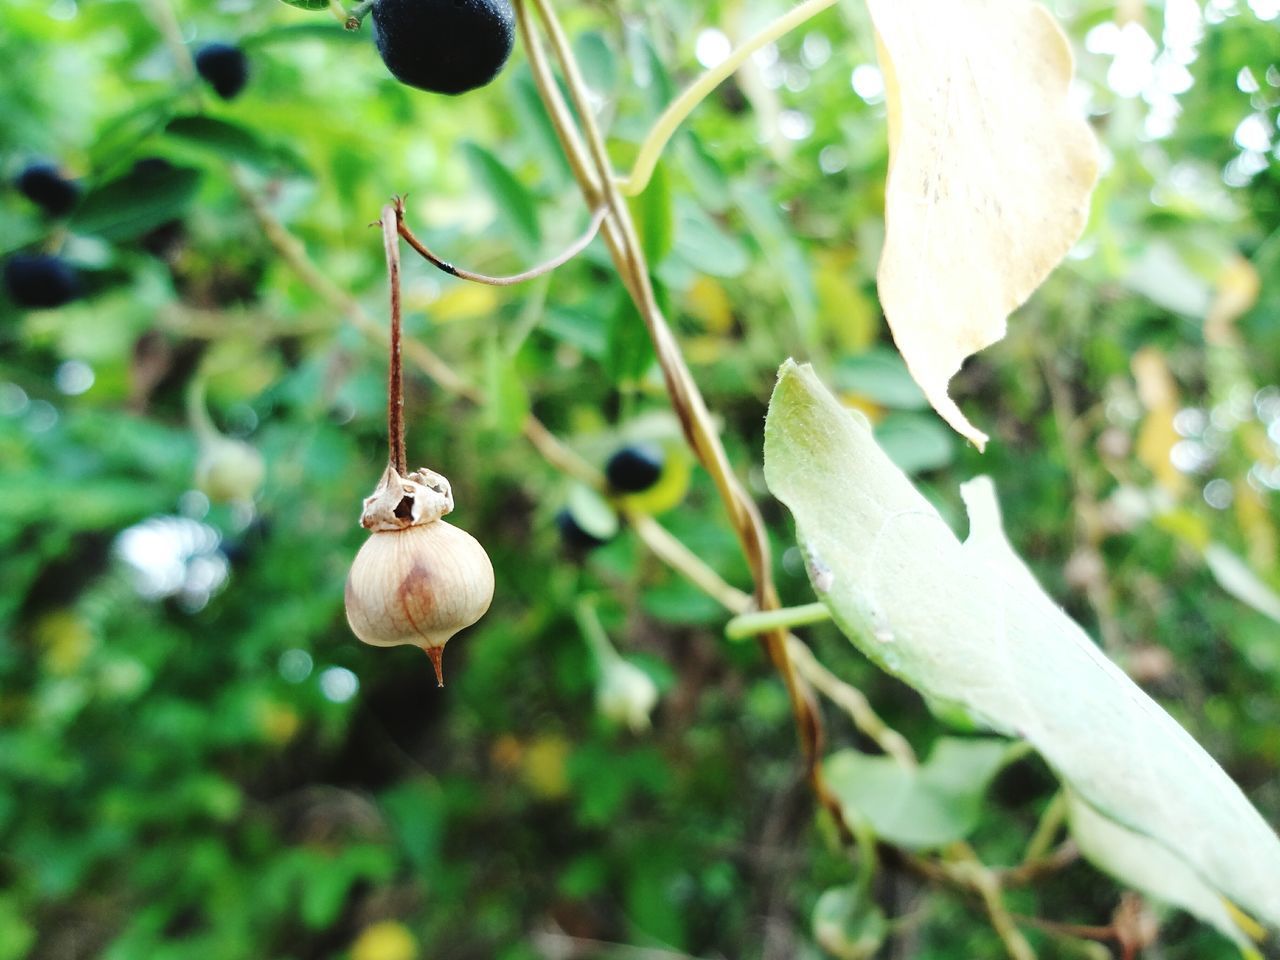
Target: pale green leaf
(1147, 865)
(923, 807)
(968, 624)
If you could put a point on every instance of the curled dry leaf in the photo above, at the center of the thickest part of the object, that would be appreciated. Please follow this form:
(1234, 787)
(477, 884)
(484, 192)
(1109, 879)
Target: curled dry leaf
(990, 172)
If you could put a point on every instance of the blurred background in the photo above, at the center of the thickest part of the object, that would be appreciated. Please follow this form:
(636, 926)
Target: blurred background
(197, 758)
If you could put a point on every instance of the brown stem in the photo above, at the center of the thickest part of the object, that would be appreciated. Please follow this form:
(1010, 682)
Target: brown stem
(1077, 931)
(1033, 870)
(541, 269)
(686, 400)
(395, 378)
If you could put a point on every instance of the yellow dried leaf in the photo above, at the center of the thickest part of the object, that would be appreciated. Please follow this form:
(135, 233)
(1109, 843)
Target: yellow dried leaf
(1237, 291)
(990, 173)
(1158, 392)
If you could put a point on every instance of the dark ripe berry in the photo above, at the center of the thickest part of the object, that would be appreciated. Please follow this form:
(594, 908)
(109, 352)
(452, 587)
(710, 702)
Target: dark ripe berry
(45, 186)
(574, 537)
(224, 67)
(35, 280)
(445, 46)
(635, 468)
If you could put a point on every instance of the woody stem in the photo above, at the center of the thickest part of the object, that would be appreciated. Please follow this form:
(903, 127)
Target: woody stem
(395, 377)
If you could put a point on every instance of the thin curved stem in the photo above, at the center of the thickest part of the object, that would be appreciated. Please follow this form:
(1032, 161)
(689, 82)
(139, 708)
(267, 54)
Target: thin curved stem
(395, 377)
(532, 273)
(679, 109)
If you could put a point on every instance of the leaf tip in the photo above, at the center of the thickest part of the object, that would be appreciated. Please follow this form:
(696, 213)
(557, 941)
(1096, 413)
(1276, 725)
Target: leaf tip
(950, 412)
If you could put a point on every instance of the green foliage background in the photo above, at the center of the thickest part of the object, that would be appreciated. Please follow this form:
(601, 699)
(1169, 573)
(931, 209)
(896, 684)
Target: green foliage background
(193, 776)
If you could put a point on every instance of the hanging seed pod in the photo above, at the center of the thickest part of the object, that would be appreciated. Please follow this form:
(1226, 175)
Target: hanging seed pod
(417, 579)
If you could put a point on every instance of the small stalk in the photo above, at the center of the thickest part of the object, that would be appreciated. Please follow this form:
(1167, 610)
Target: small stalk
(749, 625)
(395, 377)
(532, 273)
(355, 16)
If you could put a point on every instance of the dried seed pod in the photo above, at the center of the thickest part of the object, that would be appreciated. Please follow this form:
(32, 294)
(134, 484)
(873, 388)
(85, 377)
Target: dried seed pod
(417, 579)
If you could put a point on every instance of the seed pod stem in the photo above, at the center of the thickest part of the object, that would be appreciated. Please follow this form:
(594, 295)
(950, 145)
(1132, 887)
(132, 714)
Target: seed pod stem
(395, 377)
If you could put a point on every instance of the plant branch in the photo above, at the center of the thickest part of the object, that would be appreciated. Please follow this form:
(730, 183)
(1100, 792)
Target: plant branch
(395, 378)
(971, 871)
(541, 269)
(679, 109)
(751, 624)
(686, 400)
(1031, 870)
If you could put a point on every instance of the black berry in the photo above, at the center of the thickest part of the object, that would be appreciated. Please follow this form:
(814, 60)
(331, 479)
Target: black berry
(35, 280)
(224, 67)
(574, 537)
(635, 468)
(45, 186)
(445, 46)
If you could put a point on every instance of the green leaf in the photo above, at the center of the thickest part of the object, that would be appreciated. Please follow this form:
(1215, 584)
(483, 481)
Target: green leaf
(705, 246)
(17, 935)
(847, 925)
(916, 442)
(599, 64)
(129, 206)
(922, 808)
(515, 204)
(1147, 865)
(880, 375)
(783, 256)
(508, 401)
(308, 4)
(967, 624)
(535, 122)
(231, 141)
(654, 214)
(628, 349)
(120, 136)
